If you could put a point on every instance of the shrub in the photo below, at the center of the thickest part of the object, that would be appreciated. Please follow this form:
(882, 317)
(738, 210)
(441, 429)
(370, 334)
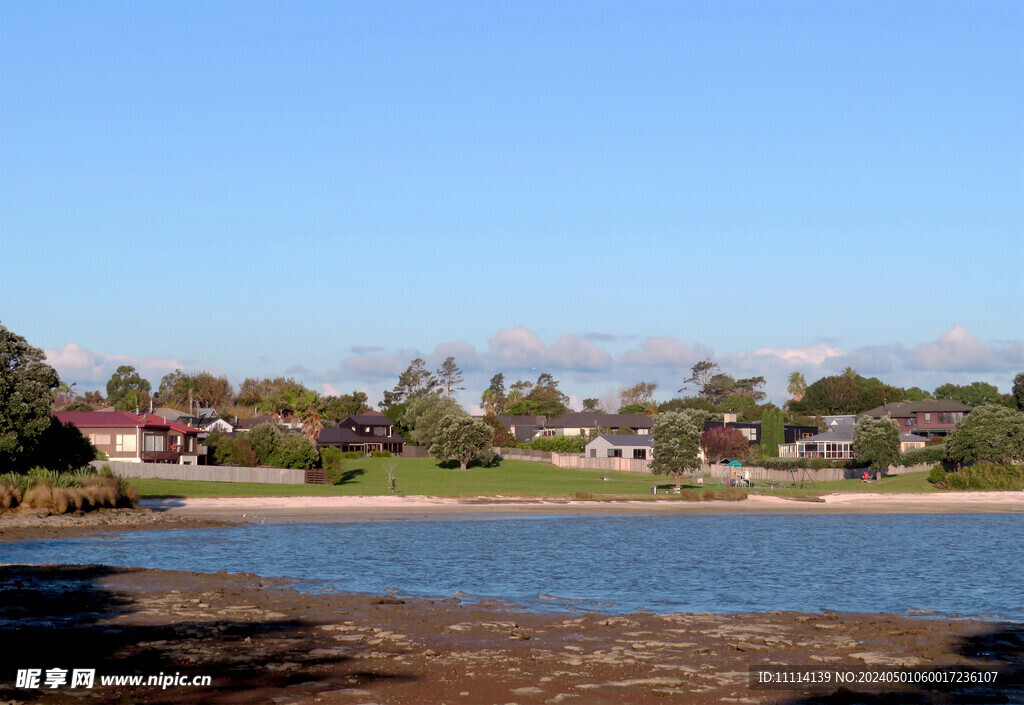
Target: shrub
(584, 495)
(986, 476)
(709, 495)
(558, 444)
(937, 476)
(919, 456)
(819, 463)
(690, 495)
(732, 495)
(352, 455)
(380, 453)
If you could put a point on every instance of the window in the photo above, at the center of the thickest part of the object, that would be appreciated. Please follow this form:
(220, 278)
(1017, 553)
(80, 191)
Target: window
(639, 454)
(99, 439)
(927, 418)
(153, 443)
(908, 422)
(593, 452)
(379, 430)
(125, 443)
(615, 452)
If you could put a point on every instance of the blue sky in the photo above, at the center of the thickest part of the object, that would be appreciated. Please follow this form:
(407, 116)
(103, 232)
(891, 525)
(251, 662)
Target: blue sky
(608, 192)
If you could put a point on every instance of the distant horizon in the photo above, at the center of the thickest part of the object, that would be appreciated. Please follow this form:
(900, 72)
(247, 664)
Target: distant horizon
(608, 192)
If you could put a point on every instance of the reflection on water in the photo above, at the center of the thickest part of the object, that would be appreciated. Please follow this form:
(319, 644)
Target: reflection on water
(971, 565)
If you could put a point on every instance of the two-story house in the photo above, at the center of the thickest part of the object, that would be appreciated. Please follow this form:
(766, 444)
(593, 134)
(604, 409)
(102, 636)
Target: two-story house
(363, 433)
(136, 438)
(923, 418)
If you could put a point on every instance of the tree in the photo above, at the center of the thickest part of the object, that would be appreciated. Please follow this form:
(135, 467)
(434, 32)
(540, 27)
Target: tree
(26, 397)
(424, 415)
(975, 394)
(990, 433)
(722, 442)
(295, 451)
(677, 437)
(416, 381)
(126, 390)
(1018, 390)
(641, 393)
(312, 420)
(837, 394)
(502, 437)
(231, 451)
(773, 432)
(493, 398)
(450, 376)
(594, 404)
(700, 376)
(337, 408)
(543, 399)
(797, 386)
(265, 438)
(876, 442)
(463, 438)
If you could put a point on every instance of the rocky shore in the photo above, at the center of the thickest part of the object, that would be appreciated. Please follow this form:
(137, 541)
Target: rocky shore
(19, 525)
(263, 642)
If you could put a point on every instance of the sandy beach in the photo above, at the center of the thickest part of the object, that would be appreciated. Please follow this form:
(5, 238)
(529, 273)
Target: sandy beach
(328, 508)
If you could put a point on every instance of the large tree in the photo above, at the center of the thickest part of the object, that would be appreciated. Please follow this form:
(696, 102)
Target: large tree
(449, 376)
(463, 438)
(423, 416)
(127, 390)
(337, 408)
(677, 437)
(493, 399)
(700, 376)
(876, 442)
(541, 399)
(26, 397)
(723, 442)
(975, 394)
(640, 394)
(1018, 391)
(416, 381)
(989, 433)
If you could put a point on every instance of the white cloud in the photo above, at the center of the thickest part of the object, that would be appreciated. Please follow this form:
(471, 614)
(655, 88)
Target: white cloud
(960, 351)
(91, 370)
(812, 355)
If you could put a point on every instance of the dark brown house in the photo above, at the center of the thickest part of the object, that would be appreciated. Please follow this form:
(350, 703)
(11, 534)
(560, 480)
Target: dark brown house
(923, 418)
(363, 433)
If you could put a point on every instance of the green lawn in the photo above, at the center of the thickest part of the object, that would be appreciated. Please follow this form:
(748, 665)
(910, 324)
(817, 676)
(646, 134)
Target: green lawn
(512, 478)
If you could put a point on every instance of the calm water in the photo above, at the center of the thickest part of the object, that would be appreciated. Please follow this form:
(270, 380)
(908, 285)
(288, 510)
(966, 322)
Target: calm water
(918, 564)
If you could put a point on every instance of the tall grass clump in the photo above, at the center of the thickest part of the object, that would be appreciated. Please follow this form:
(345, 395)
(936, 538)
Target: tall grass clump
(52, 492)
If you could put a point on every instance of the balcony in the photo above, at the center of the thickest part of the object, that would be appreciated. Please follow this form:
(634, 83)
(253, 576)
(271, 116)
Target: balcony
(161, 456)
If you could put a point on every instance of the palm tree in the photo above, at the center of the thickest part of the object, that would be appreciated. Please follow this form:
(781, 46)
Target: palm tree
(797, 386)
(489, 398)
(312, 421)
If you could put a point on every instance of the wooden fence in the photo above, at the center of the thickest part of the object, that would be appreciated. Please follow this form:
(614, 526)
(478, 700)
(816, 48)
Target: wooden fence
(210, 473)
(757, 474)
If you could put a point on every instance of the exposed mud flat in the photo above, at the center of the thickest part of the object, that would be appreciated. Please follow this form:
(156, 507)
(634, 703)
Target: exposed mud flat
(24, 525)
(262, 642)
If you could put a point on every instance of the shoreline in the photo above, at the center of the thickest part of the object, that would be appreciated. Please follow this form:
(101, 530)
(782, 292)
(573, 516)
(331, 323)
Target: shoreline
(285, 646)
(368, 507)
(206, 512)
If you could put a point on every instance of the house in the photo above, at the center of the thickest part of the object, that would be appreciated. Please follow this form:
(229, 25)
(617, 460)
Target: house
(136, 438)
(524, 428)
(584, 423)
(752, 430)
(207, 425)
(923, 418)
(615, 445)
(837, 444)
(247, 424)
(363, 433)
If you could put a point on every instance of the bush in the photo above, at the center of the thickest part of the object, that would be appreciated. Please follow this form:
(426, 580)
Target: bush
(352, 455)
(732, 495)
(937, 476)
(709, 495)
(919, 456)
(57, 493)
(690, 495)
(986, 476)
(558, 444)
(380, 453)
(584, 495)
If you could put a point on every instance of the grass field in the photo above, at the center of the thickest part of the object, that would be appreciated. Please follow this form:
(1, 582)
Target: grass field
(512, 478)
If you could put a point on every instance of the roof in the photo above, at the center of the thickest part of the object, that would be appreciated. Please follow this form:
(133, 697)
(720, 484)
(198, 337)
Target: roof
(341, 434)
(627, 439)
(909, 408)
(590, 419)
(844, 434)
(524, 428)
(374, 419)
(168, 413)
(121, 419)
